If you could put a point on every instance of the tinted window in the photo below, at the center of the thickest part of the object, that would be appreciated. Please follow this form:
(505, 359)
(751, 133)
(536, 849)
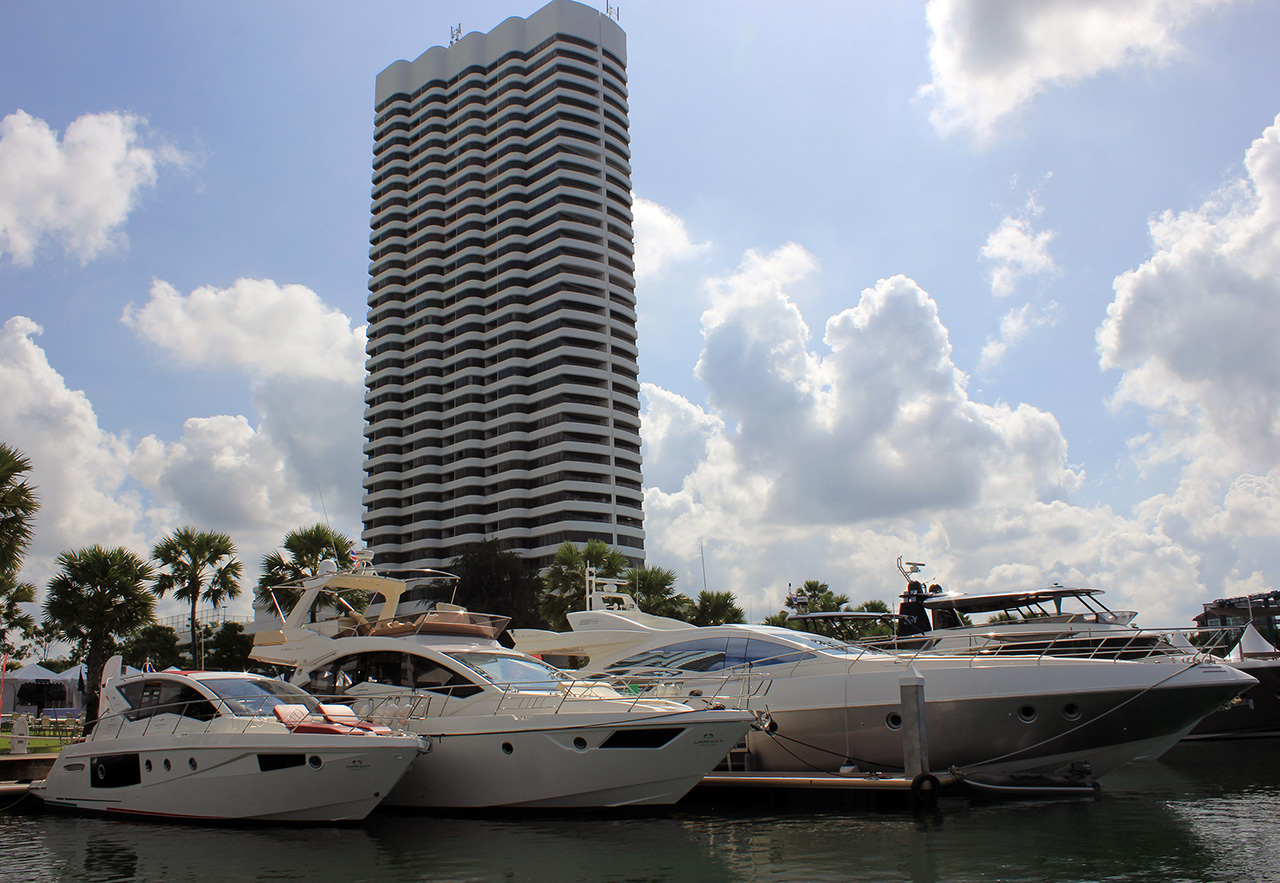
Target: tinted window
(256, 695)
(701, 654)
(765, 652)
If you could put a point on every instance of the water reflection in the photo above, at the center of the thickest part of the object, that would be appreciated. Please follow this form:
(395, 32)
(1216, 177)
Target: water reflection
(1204, 813)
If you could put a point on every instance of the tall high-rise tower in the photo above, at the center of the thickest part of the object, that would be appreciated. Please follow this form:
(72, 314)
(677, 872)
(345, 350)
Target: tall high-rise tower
(502, 399)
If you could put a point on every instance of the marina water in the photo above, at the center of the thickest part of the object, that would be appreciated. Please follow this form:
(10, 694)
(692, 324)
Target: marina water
(1205, 812)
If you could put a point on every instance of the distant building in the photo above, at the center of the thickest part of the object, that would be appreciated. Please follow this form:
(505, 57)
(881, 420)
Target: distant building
(1263, 610)
(502, 399)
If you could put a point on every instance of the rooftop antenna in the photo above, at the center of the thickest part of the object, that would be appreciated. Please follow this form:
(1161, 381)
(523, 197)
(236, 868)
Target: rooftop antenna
(455, 33)
(613, 12)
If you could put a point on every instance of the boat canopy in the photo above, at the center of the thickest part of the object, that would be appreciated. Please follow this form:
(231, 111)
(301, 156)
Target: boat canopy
(964, 603)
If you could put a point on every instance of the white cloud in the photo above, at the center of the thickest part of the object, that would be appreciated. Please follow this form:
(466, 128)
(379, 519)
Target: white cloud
(80, 471)
(264, 329)
(256, 482)
(661, 239)
(827, 459)
(1016, 250)
(77, 192)
(1193, 331)
(1014, 326)
(991, 57)
(1194, 328)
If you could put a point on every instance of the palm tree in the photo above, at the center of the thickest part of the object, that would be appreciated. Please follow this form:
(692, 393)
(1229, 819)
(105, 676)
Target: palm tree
(654, 589)
(97, 596)
(18, 505)
(306, 547)
(13, 618)
(200, 565)
(817, 597)
(565, 581)
(717, 608)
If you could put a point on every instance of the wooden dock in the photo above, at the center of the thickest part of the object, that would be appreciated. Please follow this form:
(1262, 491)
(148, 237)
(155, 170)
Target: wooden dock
(18, 770)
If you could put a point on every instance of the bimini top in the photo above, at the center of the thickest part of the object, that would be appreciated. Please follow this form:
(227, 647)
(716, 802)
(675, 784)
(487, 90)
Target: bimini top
(964, 603)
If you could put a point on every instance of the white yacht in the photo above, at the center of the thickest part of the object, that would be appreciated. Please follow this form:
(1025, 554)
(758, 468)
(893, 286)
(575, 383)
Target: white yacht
(501, 728)
(1074, 621)
(225, 746)
(1052, 621)
(835, 706)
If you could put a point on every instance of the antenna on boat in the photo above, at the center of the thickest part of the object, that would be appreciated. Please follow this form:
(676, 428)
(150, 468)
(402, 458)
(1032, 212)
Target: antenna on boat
(333, 537)
(704, 565)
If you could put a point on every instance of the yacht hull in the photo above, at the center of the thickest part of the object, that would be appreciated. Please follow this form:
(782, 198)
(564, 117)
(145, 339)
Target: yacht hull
(282, 777)
(573, 762)
(1256, 714)
(999, 718)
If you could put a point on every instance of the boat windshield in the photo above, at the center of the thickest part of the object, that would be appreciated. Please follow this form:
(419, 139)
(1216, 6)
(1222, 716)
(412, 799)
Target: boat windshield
(828, 645)
(503, 669)
(257, 695)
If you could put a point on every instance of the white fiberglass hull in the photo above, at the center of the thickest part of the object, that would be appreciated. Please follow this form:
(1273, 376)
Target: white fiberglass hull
(284, 777)
(1000, 716)
(566, 761)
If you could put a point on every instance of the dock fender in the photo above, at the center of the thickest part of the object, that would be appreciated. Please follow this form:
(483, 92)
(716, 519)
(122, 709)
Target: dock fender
(924, 789)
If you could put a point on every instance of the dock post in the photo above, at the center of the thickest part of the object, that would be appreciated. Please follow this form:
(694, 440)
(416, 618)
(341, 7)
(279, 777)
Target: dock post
(915, 745)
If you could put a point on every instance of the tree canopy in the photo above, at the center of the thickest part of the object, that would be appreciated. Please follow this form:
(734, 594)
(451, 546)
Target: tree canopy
(565, 581)
(491, 580)
(18, 506)
(304, 549)
(99, 595)
(197, 566)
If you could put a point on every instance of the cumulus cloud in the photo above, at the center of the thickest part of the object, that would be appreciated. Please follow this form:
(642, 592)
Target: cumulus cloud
(828, 458)
(257, 326)
(77, 191)
(1194, 328)
(254, 480)
(879, 425)
(81, 471)
(991, 57)
(1016, 250)
(1014, 326)
(1192, 331)
(661, 239)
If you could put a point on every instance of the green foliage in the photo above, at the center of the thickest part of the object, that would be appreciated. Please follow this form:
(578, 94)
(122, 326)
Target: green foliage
(228, 648)
(99, 595)
(565, 581)
(654, 590)
(821, 599)
(717, 608)
(195, 566)
(491, 580)
(305, 548)
(18, 505)
(154, 643)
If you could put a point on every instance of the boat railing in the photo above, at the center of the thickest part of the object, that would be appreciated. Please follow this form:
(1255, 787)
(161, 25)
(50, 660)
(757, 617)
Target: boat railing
(1150, 645)
(732, 690)
(187, 717)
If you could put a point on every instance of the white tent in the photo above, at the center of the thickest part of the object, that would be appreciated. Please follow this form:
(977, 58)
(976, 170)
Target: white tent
(1252, 646)
(33, 673)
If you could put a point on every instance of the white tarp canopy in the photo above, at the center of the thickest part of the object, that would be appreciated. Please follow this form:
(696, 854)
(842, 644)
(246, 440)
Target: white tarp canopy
(1251, 645)
(33, 672)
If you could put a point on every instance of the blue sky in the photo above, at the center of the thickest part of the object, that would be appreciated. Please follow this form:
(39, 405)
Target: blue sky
(992, 286)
